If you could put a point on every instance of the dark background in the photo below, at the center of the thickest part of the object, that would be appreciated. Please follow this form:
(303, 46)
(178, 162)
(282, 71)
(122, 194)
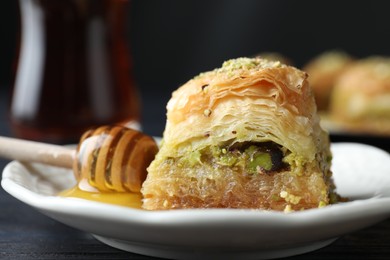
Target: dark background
(171, 41)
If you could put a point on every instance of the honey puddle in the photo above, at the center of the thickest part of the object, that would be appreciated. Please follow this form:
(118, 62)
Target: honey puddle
(85, 191)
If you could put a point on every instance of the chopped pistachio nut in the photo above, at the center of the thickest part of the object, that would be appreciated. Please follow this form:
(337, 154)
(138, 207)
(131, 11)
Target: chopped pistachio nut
(207, 112)
(194, 158)
(248, 63)
(215, 151)
(234, 67)
(255, 159)
(283, 194)
(258, 160)
(321, 204)
(290, 197)
(296, 162)
(288, 209)
(227, 160)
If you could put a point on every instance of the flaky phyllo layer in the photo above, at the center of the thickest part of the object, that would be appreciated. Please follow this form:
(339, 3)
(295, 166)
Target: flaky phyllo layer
(245, 135)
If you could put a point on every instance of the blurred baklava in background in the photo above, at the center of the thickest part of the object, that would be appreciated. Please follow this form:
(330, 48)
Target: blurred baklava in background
(360, 100)
(324, 71)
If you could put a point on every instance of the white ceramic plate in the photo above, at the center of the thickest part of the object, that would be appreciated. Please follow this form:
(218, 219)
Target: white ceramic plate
(361, 173)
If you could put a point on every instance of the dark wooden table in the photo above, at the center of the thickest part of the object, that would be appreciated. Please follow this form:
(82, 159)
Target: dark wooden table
(27, 234)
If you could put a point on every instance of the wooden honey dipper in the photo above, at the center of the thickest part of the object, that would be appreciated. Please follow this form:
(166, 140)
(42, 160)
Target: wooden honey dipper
(111, 158)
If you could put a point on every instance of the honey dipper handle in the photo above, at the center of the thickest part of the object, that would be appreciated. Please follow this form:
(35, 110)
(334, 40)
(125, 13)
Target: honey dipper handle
(30, 151)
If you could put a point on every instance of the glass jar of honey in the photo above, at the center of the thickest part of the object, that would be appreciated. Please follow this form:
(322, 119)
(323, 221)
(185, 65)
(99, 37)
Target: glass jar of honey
(74, 70)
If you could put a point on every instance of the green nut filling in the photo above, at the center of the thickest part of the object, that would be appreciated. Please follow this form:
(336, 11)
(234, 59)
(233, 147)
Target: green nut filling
(227, 160)
(260, 159)
(194, 158)
(254, 159)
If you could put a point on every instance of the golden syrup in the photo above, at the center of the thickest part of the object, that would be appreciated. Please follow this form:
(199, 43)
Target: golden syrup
(84, 191)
